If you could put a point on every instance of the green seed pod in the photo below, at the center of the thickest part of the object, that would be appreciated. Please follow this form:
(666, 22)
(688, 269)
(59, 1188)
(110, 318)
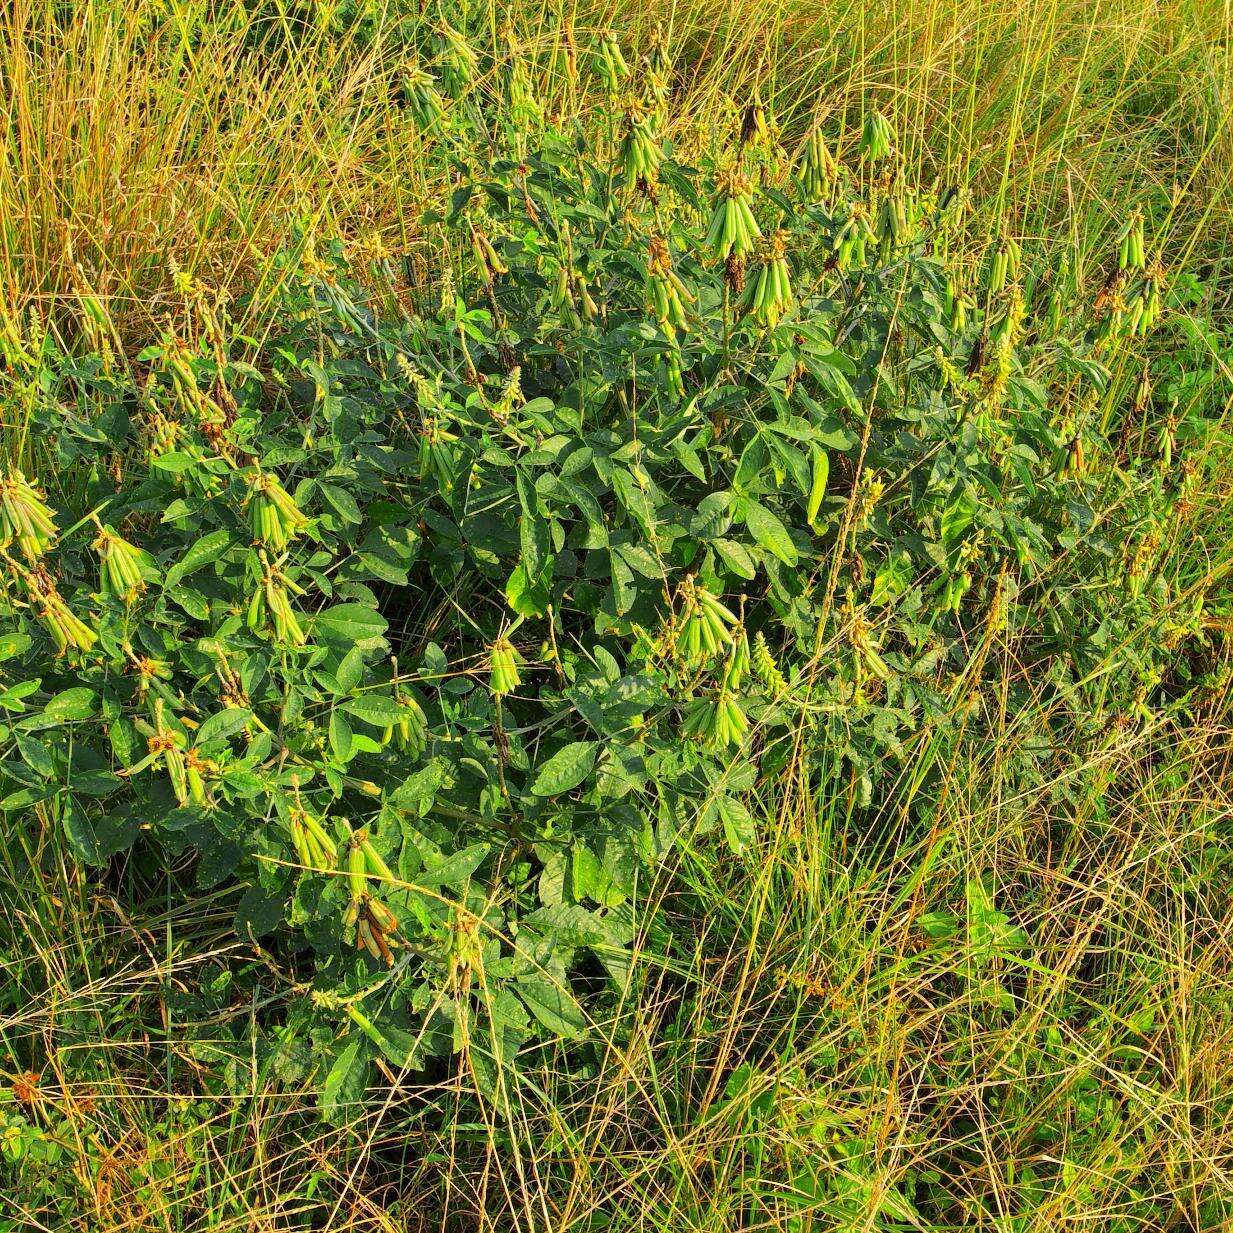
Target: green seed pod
(322, 840)
(367, 939)
(282, 618)
(877, 137)
(357, 867)
(422, 97)
(609, 63)
(24, 517)
(733, 230)
(737, 667)
(954, 589)
(503, 668)
(704, 624)
(299, 841)
(716, 722)
(381, 914)
(673, 372)
(274, 517)
(486, 256)
(1131, 254)
(769, 296)
(196, 785)
(819, 170)
(120, 573)
(67, 632)
(997, 273)
(457, 61)
(668, 294)
(639, 153)
(375, 866)
(524, 108)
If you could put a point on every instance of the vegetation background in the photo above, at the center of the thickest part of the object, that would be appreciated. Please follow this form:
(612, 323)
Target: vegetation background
(143, 137)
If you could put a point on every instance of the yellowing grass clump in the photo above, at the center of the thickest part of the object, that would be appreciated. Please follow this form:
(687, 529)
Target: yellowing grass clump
(138, 136)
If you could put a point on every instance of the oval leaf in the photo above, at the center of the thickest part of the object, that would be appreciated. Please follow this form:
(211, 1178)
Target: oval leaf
(566, 769)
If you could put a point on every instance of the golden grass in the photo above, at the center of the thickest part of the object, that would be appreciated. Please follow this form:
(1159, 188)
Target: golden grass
(138, 136)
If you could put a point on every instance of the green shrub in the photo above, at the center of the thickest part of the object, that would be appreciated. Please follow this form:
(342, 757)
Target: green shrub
(436, 629)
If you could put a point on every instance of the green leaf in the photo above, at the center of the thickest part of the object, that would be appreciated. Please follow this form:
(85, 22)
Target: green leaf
(340, 736)
(13, 644)
(36, 755)
(714, 516)
(11, 699)
(222, 725)
(456, 868)
(208, 548)
(553, 1005)
(740, 829)
(192, 603)
(735, 557)
(624, 592)
(343, 1089)
(383, 569)
(380, 710)
(342, 501)
(71, 705)
(350, 625)
(636, 502)
(532, 530)
(259, 912)
(566, 769)
(642, 561)
(218, 860)
(769, 531)
(527, 597)
(175, 462)
(417, 792)
(399, 1047)
(80, 832)
(957, 517)
(893, 578)
(350, 670)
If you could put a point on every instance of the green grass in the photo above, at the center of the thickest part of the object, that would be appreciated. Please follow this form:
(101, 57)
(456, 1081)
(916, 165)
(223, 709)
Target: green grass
(805, 1028)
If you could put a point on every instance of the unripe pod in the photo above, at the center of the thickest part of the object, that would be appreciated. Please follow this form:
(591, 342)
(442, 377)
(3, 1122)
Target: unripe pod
(716, 722)
(738, 660)
(196, 786)
(704, 624)
(381, 914)
(120, 574)
(733, 228)
(770, 295)
(640, 153)
(503, 668)
(67, 632)
(421, 91)
(486, 256)
(177, 773)
(357, 867)
(877, 138)
(24, 517)
(375, 866)
(457, 61)
(818, 169)
(609, 63)
(274, 517)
